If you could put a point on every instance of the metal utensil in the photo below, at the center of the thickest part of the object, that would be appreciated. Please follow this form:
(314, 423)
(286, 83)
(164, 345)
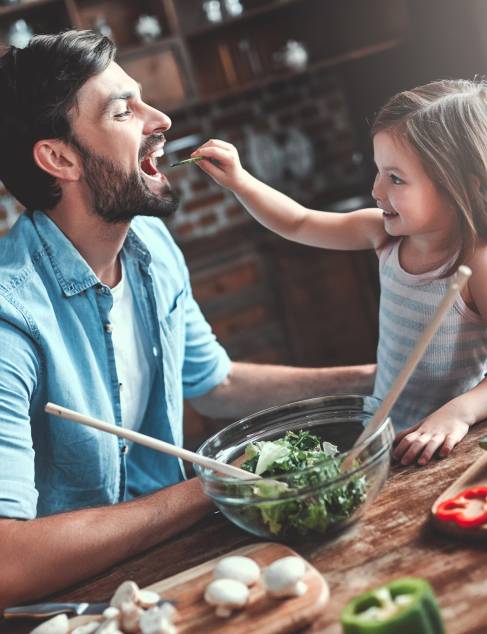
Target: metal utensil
(43, 610)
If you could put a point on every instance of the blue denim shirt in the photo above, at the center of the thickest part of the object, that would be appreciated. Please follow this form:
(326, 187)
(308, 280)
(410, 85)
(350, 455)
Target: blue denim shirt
(55, 345)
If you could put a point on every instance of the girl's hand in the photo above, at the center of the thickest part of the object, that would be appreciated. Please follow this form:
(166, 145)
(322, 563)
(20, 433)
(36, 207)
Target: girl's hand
(424, 439)
(223, 163)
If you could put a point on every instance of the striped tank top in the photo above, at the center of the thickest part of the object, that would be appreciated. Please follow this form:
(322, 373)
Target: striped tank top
(455, 360)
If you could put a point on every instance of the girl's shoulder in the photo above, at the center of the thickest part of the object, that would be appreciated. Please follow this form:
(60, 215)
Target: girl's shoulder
(477, 284)
(477, 261)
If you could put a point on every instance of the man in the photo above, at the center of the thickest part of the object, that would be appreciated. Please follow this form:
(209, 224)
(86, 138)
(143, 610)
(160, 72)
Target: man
(96, 314)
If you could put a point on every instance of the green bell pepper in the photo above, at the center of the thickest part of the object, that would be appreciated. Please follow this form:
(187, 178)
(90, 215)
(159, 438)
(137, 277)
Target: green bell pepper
(403, 606)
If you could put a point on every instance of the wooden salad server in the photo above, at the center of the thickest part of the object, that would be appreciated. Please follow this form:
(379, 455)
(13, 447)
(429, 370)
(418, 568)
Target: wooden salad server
(458, 282)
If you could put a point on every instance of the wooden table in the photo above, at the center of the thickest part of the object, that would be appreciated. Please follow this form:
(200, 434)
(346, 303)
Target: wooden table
(393, 539)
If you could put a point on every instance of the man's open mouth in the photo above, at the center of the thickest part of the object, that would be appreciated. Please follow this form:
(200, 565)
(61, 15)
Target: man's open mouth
(389, 214)
(149, 163)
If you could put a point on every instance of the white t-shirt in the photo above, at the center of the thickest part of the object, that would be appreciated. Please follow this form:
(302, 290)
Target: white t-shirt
(133, 358)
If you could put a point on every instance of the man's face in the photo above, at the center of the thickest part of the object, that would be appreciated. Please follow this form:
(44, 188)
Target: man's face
(118, 137)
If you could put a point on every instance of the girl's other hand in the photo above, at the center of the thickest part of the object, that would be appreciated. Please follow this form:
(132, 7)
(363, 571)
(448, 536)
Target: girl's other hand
(420, 442)
(223, 163)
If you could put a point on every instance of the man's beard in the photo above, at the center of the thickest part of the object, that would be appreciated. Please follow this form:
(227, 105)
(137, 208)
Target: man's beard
(117, 197)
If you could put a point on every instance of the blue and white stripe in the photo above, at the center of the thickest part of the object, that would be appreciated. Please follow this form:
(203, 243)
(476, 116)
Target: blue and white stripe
(455, 360)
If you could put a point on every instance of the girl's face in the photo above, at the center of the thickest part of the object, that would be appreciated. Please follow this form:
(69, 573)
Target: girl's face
(411, 202)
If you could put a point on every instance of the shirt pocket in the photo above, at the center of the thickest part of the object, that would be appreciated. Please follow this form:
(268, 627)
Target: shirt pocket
(173, 336)
(174, 319)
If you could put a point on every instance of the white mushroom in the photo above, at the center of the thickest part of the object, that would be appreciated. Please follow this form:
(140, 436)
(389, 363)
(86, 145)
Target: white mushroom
(147, 598)
(226, 595)
(57, 625)
(111, 612)
(127, 592)
(129, 617)
(283, 578)
(241, 569)
(87, 628)
(110, 626)
(158, 621)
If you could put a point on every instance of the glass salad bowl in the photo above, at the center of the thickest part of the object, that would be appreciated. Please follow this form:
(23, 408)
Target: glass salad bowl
(297, 449)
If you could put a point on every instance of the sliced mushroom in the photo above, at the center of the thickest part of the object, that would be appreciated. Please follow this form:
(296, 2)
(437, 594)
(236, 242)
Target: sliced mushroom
(127, 592)
(157, 621)
(226, 595)
(147, 598)
(283, 578)
(87, 628)
(57, 625)
(241, 569)
(129, 617)
(110, 626)
(111, 613)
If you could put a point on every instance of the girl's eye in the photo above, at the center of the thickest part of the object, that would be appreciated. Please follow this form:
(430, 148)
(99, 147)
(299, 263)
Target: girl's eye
(396, 180)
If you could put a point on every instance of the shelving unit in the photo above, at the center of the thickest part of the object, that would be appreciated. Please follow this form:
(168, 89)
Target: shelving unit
(197, 61)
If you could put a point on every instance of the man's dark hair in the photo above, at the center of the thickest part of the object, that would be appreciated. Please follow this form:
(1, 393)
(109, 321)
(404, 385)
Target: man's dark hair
(38, 88)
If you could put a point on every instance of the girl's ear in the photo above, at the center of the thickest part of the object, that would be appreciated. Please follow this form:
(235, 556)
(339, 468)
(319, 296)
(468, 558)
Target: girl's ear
(58, 159)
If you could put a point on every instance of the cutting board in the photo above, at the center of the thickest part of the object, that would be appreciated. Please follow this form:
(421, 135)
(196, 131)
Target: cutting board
(475, 475)
(263, 614)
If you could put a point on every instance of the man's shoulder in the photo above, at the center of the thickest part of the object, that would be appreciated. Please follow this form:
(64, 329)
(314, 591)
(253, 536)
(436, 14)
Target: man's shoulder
(18, 250)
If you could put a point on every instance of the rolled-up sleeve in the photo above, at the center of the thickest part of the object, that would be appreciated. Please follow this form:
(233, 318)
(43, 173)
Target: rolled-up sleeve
(19, 372)
(206, 363)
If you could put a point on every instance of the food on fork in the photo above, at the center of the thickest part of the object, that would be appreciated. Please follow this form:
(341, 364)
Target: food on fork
(193, 159)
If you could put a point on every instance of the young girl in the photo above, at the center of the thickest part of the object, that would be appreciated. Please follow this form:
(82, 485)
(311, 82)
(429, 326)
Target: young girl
(430, 148)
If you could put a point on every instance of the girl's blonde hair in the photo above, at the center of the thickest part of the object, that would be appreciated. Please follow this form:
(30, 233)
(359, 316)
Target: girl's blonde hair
(445, 122)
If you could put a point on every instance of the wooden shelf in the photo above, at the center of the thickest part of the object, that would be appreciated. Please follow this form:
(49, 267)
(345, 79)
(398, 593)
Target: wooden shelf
(323, 64)
(244, 17)
(23, 7)
(147, 48)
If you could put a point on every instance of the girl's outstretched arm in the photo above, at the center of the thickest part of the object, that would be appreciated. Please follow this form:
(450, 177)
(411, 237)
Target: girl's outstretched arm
(362, 229)
(446, 427)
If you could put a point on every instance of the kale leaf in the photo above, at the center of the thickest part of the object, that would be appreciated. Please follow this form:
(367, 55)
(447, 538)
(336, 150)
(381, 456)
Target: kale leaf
(304, 505)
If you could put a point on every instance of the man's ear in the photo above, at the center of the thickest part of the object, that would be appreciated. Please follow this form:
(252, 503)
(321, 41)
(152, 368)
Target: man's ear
(58, 159)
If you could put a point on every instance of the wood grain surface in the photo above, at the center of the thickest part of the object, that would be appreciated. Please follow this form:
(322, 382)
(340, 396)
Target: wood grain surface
(395, 538)
(262, 613)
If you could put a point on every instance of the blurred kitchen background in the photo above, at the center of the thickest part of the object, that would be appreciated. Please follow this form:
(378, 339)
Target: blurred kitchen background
(294, 84)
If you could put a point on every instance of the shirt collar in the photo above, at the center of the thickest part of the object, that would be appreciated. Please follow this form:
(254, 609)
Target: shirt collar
(72, 272)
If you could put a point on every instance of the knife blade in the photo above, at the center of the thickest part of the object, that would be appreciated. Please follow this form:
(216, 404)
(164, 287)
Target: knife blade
(43, 610)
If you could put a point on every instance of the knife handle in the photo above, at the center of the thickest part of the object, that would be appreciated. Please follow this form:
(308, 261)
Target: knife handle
(40, 610)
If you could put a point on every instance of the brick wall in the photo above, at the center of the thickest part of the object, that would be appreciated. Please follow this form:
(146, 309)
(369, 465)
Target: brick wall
(310, 110)
(312, 105)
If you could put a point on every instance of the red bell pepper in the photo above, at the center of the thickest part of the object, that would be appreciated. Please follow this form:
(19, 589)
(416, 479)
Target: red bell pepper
(457, 508)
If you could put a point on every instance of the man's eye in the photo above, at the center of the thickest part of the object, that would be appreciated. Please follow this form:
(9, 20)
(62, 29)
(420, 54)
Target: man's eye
(396, 180)
(122, 115)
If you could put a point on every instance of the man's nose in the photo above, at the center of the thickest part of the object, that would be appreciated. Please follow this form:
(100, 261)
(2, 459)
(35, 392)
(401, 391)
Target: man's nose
(156, 121)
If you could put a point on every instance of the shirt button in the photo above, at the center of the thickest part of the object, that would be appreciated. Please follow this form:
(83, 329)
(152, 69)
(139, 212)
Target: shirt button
(108, 327)
(155, 351)
(124, 449)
